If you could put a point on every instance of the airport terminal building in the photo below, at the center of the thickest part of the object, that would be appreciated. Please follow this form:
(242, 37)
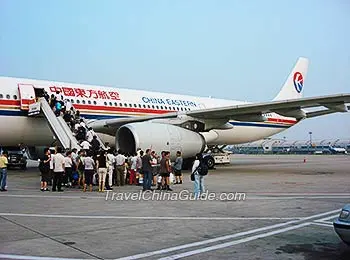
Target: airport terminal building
(282, 146)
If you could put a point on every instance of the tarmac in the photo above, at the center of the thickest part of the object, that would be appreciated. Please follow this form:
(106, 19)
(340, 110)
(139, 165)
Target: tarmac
(258, 207)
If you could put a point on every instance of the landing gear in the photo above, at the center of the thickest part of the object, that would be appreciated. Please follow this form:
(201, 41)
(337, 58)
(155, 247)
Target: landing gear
(210, 162)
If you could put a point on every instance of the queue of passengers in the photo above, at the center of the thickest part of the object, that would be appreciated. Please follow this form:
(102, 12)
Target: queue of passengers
(106, 168)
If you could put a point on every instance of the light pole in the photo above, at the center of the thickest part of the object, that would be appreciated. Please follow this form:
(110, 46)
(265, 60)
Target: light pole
(310, 133)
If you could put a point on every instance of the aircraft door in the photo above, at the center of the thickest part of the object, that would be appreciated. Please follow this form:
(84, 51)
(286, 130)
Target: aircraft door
(26, 95)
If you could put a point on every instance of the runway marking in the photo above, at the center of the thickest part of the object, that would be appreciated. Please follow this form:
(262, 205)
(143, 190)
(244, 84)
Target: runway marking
(147, 217)
(25, 257)
(327, 218)
(301, 193)
(200, 243)
(209, 241)
(321, 224)
(235, 242)
(297, 197)
(82, 196)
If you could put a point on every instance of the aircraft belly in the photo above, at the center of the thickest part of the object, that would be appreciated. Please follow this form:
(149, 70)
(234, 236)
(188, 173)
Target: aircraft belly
(30, 131)
(242, 134)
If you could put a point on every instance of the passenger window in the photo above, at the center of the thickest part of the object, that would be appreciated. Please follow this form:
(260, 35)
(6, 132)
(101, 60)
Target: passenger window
(148, 106)
(89, 102)
(182, 109)
(116, 104)
(83, 101)
(125, 105)
(8, 96)
(78, 101)
(1, 96)
(14, 97)
(157, 107)
(72, 101)
(120, 104)
(110, 103)
(105, 103)
(161, 107)
(153, 106)
(174, 108)
(139, 105)
(130, 105)
(144, 106)
(95, 103)
(135, 105)
(178, 109)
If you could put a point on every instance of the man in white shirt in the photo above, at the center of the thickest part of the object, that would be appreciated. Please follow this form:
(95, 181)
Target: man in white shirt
(85, 145)
(133, 170)
(58, 170)
(67, 104)
(120, 164)
(90, 134)
(59, 96)
(76, 126)
(68, 171)
(82, 124)
(110, 168)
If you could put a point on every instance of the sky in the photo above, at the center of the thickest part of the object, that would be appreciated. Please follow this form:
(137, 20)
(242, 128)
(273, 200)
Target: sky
(239, 50)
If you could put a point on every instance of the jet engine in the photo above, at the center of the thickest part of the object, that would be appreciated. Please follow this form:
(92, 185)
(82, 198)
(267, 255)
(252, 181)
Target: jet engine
(159, 137)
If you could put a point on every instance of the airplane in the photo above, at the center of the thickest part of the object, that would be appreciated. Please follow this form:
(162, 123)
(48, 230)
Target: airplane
(133, 119)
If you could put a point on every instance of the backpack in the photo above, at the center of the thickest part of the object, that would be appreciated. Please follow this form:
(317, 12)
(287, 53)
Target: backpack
(41, 166)
(58, 106)
(203, 168)
(81, 166)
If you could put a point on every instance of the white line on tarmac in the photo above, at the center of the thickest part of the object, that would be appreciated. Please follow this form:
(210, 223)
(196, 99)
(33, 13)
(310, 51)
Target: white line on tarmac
(27, 257)
(299, 194)
(296, 197)
(327, 218)
(235, 242)
(194, 244)
(82, 196)
(146, 217)
(325, 222)
(208, 241)
(321, 224)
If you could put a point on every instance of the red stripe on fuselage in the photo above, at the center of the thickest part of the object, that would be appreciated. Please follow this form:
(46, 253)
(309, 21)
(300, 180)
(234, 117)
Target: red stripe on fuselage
(279, 120)
(121, 109)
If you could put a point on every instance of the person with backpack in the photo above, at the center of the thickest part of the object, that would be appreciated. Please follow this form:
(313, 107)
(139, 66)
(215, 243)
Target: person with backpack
(81, 168)
(199, 169)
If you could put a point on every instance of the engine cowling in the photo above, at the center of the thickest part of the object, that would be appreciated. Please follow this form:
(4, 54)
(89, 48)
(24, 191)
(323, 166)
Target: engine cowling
(159, 137)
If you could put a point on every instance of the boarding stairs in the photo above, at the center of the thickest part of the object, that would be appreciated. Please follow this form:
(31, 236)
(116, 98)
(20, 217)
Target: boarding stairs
(102, 145)
(59, 127)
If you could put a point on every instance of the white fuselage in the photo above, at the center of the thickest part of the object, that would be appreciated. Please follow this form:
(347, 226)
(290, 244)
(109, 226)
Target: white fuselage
(97, 102)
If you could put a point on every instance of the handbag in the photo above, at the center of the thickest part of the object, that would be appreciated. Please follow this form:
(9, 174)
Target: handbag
(192, 174)
(192, 177)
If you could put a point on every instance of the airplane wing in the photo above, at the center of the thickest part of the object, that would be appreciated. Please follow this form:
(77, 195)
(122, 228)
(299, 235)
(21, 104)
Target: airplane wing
(246, 112)
(291, 107)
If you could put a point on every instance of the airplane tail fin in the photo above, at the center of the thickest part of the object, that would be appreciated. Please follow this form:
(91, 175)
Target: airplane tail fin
(293, 87)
